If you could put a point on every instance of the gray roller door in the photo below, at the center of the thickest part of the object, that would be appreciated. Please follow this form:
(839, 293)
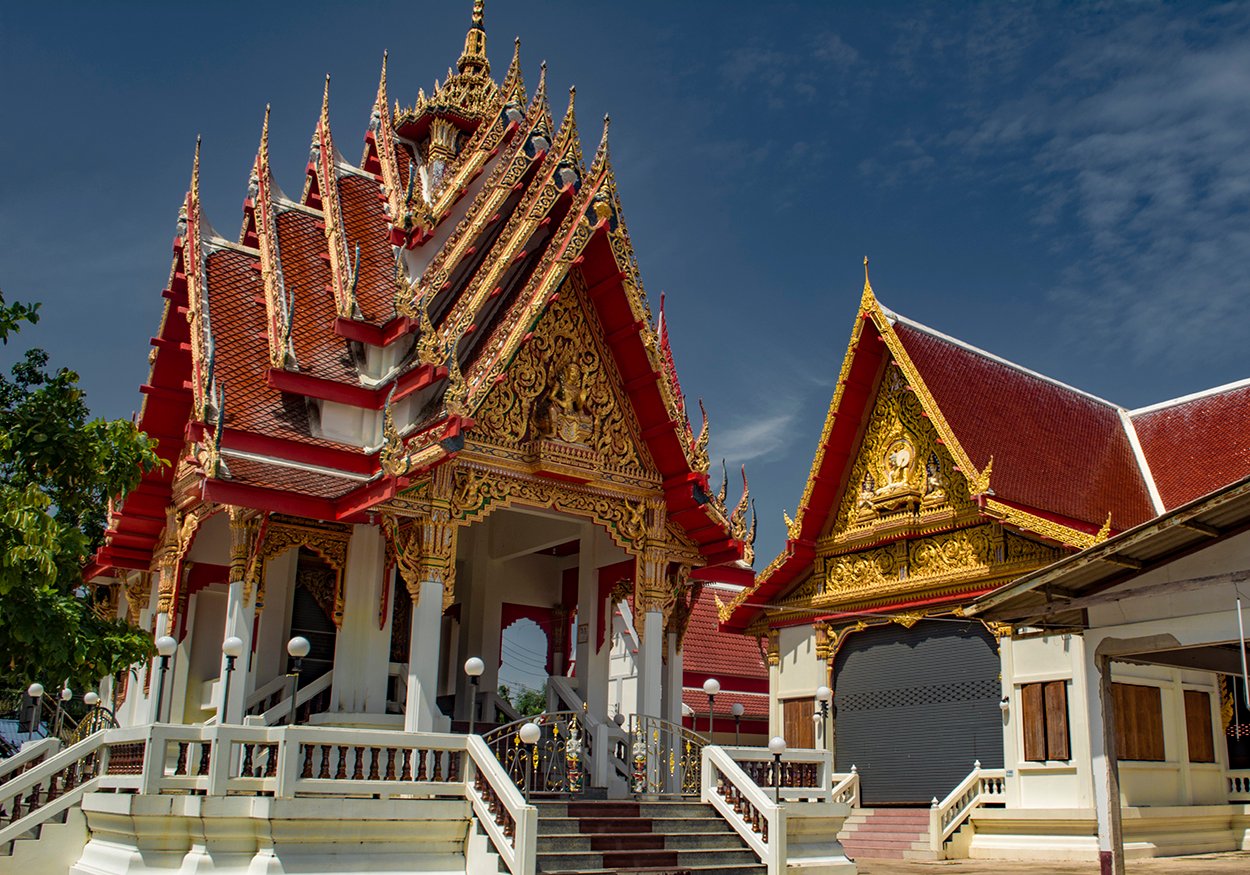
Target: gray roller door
(915, 708)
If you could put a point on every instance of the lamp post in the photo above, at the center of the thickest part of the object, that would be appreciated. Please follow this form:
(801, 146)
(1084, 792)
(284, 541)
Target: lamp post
(92, 699)
(35, 691)
(711, 686)
(298, 648)
(232, 648)
(777, 747)
(736, 709)
(165, 646)
(473, 667)
(530, 734)
(824, 696)
(66, 695)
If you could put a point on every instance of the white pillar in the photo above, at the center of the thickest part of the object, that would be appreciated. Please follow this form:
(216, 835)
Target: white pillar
(673, 681)
(592, 660)
(650, 664)
(1105, 768)
(362, 649)
(240, 615)
(424, 646)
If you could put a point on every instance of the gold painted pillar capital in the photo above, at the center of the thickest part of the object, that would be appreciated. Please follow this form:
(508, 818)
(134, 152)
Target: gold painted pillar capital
(774, 647)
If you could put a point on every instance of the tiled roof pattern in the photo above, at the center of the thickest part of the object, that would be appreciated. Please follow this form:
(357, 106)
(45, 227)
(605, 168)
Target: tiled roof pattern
(1197, 446)
(318, 350)
(708, 650)
(753, 704)
(365, 224)
(241, 353)
(281, 477)
(1054, 449)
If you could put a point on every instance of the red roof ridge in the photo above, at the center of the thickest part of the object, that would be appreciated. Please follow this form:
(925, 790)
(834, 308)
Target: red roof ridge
(963, 344)
(1193, 396)
(279, 462)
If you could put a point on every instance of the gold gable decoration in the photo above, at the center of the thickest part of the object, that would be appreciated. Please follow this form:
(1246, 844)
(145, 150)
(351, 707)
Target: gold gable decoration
(560, 409)
(904, 480)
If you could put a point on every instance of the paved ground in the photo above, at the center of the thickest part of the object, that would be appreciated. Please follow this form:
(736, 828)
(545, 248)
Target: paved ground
(1200, 864)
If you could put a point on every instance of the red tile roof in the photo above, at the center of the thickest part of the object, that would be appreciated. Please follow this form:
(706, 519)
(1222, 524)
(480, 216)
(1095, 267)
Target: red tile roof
(1055, 448)
(753, 704)
(282, 477)
(1197, 445)
(365, 224)
(723, 655)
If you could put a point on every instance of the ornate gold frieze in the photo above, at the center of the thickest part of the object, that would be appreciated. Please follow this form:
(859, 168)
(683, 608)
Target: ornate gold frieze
(909, 567)
(1046, 528)
(280, 533)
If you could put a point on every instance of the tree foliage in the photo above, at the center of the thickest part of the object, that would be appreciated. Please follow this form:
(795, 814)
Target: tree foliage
(527, 702)
(58, 469)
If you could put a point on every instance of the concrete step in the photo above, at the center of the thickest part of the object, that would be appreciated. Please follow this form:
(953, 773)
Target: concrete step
(616, 808)
(718, 860)
(663, 825)
(635, 841)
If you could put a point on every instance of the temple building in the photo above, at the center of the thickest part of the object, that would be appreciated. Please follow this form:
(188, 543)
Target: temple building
(943, 473)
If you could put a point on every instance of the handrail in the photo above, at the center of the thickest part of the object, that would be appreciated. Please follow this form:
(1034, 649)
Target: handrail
(606, 734)
(306, 694)
(1239, 785)
(846, 790)
(31, 755)
(759, 820)
(58, 782)
(806, 773)
(509, 821)
(980, 786)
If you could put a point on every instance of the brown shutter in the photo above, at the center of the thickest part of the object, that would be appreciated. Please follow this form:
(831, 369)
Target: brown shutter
(1198, 727)
(1055, 694)
(1033, 721)
(798, 727)
(1139, 722)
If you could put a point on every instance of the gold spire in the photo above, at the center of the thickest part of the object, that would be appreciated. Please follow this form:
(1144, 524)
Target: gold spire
(325, 107)
(601, 153)
(473, 59)
(194, 193)
(513, 86)
(262, 157)
(381, 99)
(869, 299)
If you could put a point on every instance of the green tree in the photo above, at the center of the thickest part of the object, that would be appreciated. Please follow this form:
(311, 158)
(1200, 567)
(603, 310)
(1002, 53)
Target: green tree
(527, 702)
(58, 469)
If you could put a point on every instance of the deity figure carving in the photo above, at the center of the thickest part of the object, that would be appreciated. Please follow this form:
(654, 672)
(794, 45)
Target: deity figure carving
(562, 415)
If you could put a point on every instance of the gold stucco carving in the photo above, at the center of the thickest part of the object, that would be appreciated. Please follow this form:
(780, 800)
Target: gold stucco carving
(280, 533)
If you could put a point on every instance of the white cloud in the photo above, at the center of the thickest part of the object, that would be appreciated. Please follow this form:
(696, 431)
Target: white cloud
(763, 430)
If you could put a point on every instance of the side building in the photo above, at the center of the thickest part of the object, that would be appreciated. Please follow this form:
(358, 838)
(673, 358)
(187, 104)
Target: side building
(942, 473)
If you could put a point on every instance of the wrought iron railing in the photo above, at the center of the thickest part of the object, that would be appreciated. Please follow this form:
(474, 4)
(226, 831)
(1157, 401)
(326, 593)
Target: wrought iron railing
(555, 763)
(666, 757)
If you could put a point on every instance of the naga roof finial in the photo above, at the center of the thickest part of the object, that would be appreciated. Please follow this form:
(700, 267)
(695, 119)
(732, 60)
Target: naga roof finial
(325, 106)
(473, 59)
(868, 299)
(195, 173)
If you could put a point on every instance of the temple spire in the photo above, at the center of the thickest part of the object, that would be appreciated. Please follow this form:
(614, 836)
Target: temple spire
(868, 299)
(473, 59)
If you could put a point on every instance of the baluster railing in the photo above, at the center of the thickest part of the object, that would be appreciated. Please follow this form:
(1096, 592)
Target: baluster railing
(846, 788)
(44, 789)
(754, 814)
(980, 787)
(1239, 785)
(806, 774)
(510, 822)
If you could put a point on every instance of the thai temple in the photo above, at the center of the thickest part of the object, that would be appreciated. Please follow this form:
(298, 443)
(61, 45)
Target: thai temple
(426, 399)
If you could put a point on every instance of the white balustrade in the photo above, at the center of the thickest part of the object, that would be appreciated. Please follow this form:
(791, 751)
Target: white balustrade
(806, 774)
(753, 813)
(1239, 785)
(846, 788)
(981, 786)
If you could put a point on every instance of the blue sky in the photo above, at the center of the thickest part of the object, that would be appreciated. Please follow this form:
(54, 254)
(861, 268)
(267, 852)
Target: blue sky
(1065, 185)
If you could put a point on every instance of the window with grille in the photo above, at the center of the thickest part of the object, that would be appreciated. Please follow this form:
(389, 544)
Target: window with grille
(1044, 717)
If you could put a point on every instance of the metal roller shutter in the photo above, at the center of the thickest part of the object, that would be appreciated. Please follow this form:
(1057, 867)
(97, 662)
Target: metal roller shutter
(915, 708)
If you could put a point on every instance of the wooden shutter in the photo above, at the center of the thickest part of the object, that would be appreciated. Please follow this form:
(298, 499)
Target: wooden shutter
(799, 729)
(1033, 720)
(1138, 722)
(1055, 695)
(1198, 727)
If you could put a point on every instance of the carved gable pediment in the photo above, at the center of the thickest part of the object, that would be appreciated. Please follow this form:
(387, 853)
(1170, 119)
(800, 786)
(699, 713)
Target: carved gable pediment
(562, 410)
(903, 479)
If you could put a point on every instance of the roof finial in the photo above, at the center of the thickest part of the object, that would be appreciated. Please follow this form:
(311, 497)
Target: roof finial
(264, 138)
(868, 299)
(195, 173)
(473, 58)
(325, 105)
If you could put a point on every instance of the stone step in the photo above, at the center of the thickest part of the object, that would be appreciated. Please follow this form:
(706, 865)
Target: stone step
(715, 860)
(615, 808)
(661, 825)
(637, 841)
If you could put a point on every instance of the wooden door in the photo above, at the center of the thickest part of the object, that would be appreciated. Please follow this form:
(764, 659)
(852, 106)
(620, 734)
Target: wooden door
(798, 727)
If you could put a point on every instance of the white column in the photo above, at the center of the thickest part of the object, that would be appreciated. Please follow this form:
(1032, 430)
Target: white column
(1105, 769)
(362, 649)
(672, 681)
(592, 661)
(424, 645)
(240, 615)
(650, 664)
